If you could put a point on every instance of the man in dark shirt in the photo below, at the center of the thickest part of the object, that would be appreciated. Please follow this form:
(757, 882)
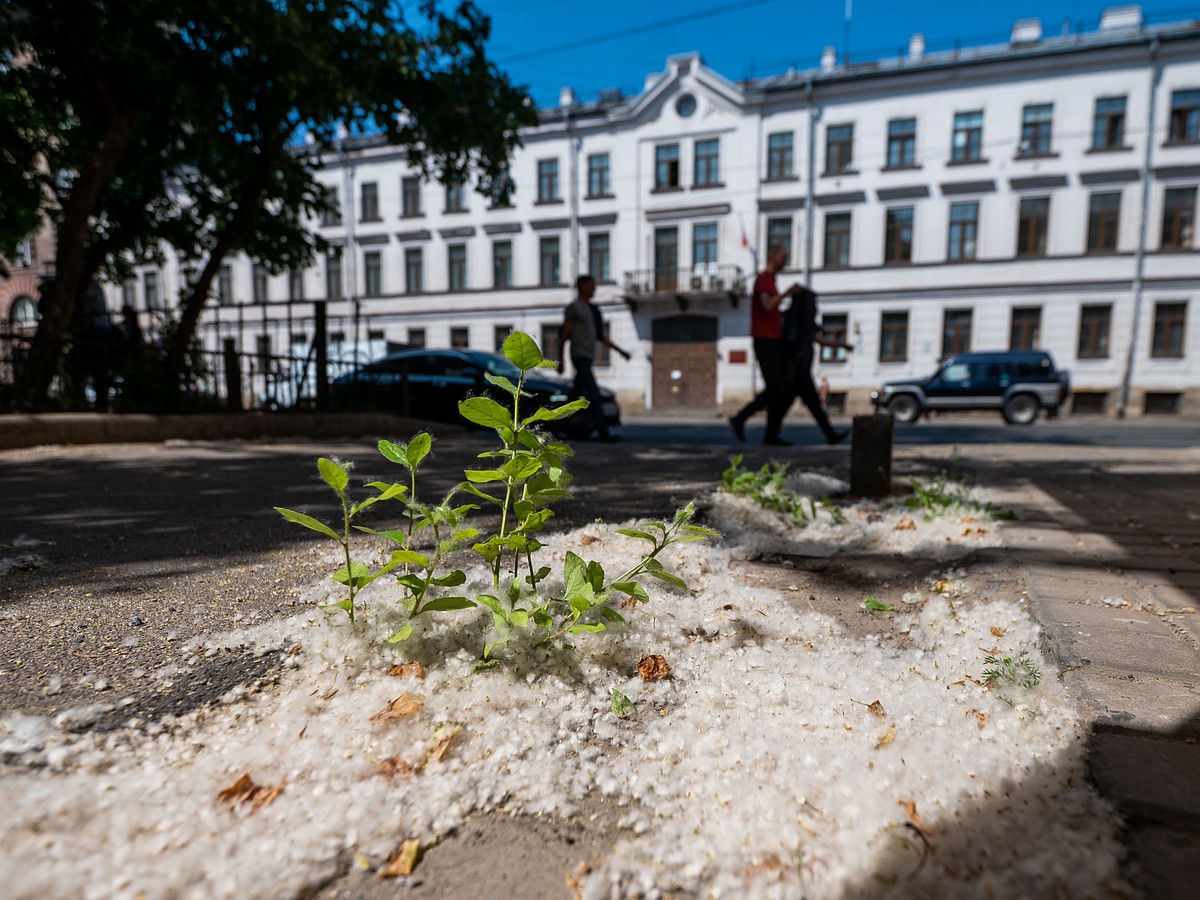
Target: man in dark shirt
(800, 331)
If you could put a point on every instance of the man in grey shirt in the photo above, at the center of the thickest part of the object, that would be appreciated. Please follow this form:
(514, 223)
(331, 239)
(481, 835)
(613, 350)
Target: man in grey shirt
(584, 329)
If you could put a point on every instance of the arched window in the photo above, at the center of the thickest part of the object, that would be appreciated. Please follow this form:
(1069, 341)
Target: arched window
(24, 311)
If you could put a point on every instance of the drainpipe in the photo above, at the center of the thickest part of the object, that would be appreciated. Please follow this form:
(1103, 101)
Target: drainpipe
(573, 147)
(810, 212)
(1139, 265)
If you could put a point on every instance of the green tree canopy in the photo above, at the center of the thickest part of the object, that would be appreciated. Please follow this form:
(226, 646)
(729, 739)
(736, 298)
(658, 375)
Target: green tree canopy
(199, 124)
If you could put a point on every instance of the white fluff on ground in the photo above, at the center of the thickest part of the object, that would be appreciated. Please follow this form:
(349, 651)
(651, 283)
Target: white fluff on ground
(780, 759)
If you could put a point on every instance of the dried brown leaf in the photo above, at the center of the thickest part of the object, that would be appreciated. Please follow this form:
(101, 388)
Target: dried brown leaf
(244, 790)
(913, 816)
(407, 670)
(968, 532)
(588, 539)
(394, 767)
(403, 861)
(998, 632)
(906, 524)
(628, 602)
(980, 717)
(887, 738)
(653, 668)
(404, 705)
(876, 709)
(293, 650)
(444, 735)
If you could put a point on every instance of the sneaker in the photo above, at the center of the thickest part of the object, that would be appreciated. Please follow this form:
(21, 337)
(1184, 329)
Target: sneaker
(776, 442)
(836, 437)
(738, 427)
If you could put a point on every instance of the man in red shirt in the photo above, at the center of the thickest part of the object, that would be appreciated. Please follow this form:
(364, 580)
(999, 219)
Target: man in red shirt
(771, 352)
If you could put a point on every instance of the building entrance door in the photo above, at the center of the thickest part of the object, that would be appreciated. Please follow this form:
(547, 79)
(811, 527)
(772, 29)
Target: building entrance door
(685, 362)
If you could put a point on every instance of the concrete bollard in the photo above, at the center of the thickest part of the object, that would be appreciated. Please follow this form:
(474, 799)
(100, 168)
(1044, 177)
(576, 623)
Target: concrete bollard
(871, 456)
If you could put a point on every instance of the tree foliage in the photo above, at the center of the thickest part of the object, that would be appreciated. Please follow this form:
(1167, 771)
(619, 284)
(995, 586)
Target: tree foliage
(199, 124)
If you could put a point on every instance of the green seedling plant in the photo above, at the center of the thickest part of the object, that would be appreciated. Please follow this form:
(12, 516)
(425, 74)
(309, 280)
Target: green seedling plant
(519, 481)
(767, 486)
(1010, 673)
(945, 495)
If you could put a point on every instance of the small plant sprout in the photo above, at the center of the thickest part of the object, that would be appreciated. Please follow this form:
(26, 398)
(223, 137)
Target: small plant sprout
(945, 495)
(876, 606)
(1011, 673)
(767, 487)
(519, 480)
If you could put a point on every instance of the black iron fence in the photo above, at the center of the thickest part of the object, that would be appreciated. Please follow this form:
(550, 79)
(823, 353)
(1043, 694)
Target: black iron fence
(702, 278)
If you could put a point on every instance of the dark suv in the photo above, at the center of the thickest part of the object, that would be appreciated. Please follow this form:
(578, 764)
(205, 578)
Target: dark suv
(1018, 383)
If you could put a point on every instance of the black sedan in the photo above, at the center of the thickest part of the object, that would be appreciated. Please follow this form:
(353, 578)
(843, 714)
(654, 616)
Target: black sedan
(428, 384)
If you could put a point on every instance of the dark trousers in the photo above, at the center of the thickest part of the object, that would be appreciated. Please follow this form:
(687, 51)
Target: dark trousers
(776, 395)
(802, 386)
(585, 386)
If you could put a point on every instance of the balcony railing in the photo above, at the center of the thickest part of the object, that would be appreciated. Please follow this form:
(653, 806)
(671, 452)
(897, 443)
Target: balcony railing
(700, 279)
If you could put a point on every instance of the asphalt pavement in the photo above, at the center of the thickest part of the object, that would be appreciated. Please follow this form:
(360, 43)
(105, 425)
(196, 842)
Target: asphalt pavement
(122, 550)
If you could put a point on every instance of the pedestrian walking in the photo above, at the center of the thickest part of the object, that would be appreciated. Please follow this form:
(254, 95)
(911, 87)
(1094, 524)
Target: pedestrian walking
(583, 329)
(766, 330)
(800, 331)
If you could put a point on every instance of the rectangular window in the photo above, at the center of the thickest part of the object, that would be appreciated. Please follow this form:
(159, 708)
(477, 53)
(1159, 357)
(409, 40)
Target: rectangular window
(956, 332)
(500, 195)
(410, 196)
(704, 244)
(1184, 126)
(1169, 319)
(333, 274)
(837, 240)
(834, 326)
(224, 288)
(332, 213)
(500, 334)
(599, 176)
(779, 155)
(547, 181)
(964, 227)
(549, 261)
(897, 241)
(414, 270)
(708, 163)
(373, 273)
(1033, 220)
(416, 337)
(1035, 129)
(369, 202)
(839, 149)
(150, 289)
(902, 143)
(295, 284)
(1108, 124)
(258, 283)
(1025, 331)
(893, 337)
(1104, 216)
(666, 167)
(456, 260)
(1094, 322)
(550, 344)
(1179, 218)
(666, 259)
(779, 234)
(460, 338)
(502, 264)
(967, 140)
(599, 254)
(456, 198)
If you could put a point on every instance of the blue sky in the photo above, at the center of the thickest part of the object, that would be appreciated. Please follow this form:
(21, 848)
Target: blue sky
(546, 44)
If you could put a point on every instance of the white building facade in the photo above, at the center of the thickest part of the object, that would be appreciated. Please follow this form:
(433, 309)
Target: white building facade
(1038, 194)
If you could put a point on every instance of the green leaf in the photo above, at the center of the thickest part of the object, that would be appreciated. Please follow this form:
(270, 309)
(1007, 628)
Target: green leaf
(418, 449)
(633, 589)
(450, 579)
(700, 531)
(872, 603)
(519, 618)
(539, 575)
(654, 568)
(521, 350)
(521, 467)
(580, 605)
(492, 603)
(501, 382)
(308, 522)
(588, 628)
(353, 575)
(484, 664)
(341, 604)
(387, 490)
(393, 452)
(476, 492)
(483, 476)
(412, 557)
(611, 615)
(554, 413)
(486, 412)
(402, 635)
(622, 707)
(635, 533)
(333, 475)
(595, 575)
(447, 604)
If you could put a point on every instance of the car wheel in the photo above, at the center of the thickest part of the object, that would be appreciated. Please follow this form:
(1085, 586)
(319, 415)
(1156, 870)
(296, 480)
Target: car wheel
(1021, 409)
(904, 408)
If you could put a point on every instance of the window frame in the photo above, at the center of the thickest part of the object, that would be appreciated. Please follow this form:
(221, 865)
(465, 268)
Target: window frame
(372, 273)
(410, 197)
(502, 264)
(837, 240)
(970, 148)
(1095, 330)
(1026, 333)
(1108, 125)
(962, 234)
(781, 155)
(1037, 131)
(839, 149)
(1179, 219)
(368, 199)
(599, 255)
(1184, 121)
(1169, 335)
(901, 143)
(666, 167)
(893, 329)
(898, 232)
(1033, 227)
(550, 261)
(956, 331)
(1104, 221)
(774, 224)
(548, 188)
(335, 288)
(599, 184)
(414, 270)
(456, 267)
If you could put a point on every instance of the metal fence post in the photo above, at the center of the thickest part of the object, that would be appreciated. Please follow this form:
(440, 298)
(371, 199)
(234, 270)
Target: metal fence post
(233, 376)
(320, 344)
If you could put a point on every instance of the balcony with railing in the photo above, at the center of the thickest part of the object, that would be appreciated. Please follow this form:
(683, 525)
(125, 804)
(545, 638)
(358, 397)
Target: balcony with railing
(703, 281)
